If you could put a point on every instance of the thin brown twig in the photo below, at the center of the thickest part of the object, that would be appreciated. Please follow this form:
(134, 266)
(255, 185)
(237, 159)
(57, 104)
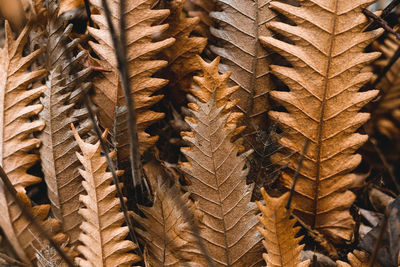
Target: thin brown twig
(379, 239)
(120, 53)
(381, 22)
(319, 239)
(88, 104)
(296, 174)
(31, 218)
(12, 260)
(386, 11)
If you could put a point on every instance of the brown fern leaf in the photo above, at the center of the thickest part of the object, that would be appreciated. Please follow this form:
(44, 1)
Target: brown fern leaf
(102, 231)
(208, 85)
(59, 164)
(242, 22)
(357, 259)
(280, 241)
(17, 143)
(109, 97)
(217, 175)
(383, 115)
(166, 233)
(201, 9)
(323, 105)
(181, 56)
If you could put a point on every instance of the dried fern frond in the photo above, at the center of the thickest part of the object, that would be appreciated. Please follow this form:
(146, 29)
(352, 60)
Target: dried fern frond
(323, 105)
(217, 175)
(17, 105)
(242, 22)
(59, 164)
(181, 56)
(383, 115)
(280, 241)
(102, 233)
(109, 96)
(165, 231)
(357, 259)
(201, 9)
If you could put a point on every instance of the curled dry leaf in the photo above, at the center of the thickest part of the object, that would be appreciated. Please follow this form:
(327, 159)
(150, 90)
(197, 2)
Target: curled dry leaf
(323, 103)
(18, 105)
(280, 241)
(59, 164)
(181, 56)
(109, 96)
(217, 175)
(357, 259)
(102, 233)
(165, 231)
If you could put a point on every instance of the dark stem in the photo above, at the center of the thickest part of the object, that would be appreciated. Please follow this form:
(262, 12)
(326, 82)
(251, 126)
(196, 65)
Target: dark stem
(110, 163)
(88, 13)
(296, 174)
(381, 22)
(389, 8)
(120, 53)
(385, 12)
(379, 240)
(25, 212)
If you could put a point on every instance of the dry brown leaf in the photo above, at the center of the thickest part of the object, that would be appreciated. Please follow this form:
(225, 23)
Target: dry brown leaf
(102, 233)
(357, 259)
(109, 97)
(68, 5)
(217, 175)
(213, 83)
(201, 9)
(165, 231)
(181, 56)
(323, 105)
(59, 164)
(280, 241)
(242, 22)
(389, 101)
(17, 107)
(13, 11)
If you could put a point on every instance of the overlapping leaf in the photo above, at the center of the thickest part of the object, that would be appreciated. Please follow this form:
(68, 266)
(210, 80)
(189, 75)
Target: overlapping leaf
(181, 56)
(323, 103)
(165, 231)
(201, 9)
(217, 175)
(17, 106)
(384, 114)
(102, 233)
(241, 23)
(280, 241)
(109, 97)
(60, 166)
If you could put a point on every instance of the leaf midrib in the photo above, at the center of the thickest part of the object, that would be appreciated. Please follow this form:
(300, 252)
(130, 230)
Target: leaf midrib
(321, 119)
